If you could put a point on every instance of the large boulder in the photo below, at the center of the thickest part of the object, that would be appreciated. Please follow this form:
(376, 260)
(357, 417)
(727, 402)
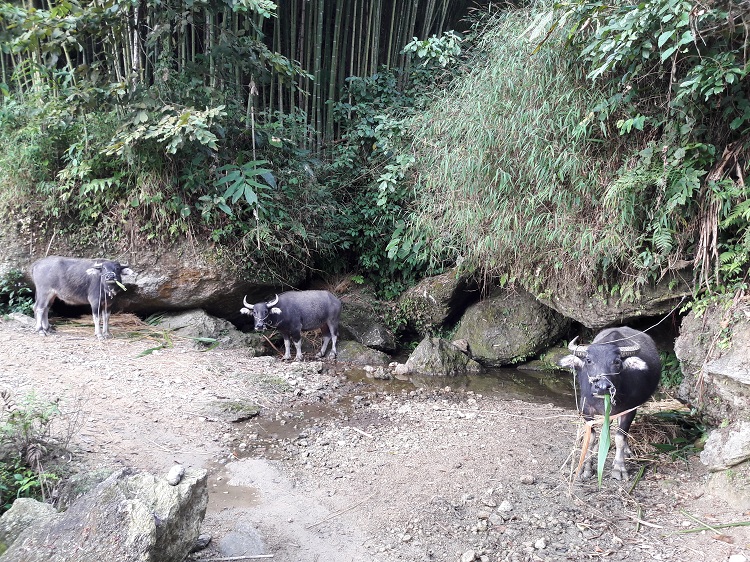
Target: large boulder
(435, 356)
(354, 353)
(714, 353)
(436, 302)
(596, 310)
(509, 327)
(198, 328)
(130, 516)
(362, 320)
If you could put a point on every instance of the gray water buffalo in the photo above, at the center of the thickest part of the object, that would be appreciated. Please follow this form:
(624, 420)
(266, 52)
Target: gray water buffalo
(76, 281)
(295, 311)
(623, 363)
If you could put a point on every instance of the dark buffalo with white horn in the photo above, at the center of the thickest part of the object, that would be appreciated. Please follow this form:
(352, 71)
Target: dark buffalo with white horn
(293, 312)
(77, 281)
(623, 363)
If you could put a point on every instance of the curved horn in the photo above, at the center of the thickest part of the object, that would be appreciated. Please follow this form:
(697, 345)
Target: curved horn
(629, 350)
(274, 301)
(247, 304)
(577, 350)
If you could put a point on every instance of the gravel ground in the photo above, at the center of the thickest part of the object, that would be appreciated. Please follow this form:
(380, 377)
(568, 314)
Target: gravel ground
(338, 467)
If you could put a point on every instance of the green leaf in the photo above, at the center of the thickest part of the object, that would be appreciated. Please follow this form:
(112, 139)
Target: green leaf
(604, 440)
(664, 37)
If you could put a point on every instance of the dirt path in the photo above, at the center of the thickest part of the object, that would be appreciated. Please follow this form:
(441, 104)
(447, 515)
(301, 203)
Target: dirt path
(334, 470)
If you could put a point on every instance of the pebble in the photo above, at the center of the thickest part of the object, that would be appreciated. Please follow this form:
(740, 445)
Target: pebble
(468, 556)
(175, 474)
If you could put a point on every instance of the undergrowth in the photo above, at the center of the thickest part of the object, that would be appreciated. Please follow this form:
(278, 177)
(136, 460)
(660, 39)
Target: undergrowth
(28, 445)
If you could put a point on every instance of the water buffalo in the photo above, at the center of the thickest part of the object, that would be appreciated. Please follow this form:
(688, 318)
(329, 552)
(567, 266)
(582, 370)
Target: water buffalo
(623, 363)
(292, 312)
(76, 281)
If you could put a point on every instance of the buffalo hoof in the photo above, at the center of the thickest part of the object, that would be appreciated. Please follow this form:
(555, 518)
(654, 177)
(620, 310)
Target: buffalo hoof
(620, 473)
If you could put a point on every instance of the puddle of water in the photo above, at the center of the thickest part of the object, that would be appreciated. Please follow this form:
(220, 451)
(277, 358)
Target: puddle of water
(513, 384)
(223, 495)
(268, 437)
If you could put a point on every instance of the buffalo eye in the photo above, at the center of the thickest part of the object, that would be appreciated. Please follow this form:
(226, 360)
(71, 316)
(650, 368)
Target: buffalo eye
(588, 360)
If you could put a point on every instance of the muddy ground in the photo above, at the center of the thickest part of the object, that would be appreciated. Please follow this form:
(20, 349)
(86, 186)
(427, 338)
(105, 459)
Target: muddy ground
(338, 467)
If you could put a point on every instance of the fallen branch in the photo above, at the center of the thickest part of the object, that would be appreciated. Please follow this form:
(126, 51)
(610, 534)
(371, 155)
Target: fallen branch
(334, 515)
(706, 526)
(248, 557)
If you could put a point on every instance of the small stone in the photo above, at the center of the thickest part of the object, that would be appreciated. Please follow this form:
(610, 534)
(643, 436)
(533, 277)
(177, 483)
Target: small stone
(468, 556)
(406, 537)
(505, 506)
(541, 544)
(400, 369)
(201, 542)
(527, 479)
(175, 474)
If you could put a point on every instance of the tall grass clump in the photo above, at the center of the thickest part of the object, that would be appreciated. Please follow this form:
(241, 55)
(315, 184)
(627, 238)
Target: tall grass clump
(510, 180)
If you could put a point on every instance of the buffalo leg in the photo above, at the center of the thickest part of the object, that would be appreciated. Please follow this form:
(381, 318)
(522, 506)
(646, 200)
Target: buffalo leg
(41, 313)
(105, 322)
(298, 345)
(622, 449)
(589, 458)
(95, 312)
(334, 330)
(326, 338)
(287, 348)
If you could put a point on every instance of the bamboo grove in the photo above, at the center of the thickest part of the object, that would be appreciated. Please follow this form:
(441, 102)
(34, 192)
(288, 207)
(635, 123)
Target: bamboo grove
(282, 61)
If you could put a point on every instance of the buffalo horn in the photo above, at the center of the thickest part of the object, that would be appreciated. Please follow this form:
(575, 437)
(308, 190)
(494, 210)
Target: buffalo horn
(274, 301)
(247, 304)
(629, 350)
(577, 350)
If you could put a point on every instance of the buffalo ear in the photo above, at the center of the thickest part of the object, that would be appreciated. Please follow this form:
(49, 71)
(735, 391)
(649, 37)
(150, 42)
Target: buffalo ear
(635, 363)
(275, 310)
(127, 271)
(93, 270)
(571, 362)
(244, 310)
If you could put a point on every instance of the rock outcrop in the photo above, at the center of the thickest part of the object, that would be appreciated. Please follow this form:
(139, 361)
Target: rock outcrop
(596, 310)
(509, 327)
(129, 516)
(435, 356)
(436, 302)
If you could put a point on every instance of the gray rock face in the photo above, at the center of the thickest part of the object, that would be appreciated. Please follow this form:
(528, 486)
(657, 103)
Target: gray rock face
(727, 447)
(362, 321)
(130, 516)
(597, 311)
(434, 301)
(186, 278)
(196, 324)
(435, 356)
(23, 513)
(357, 354)
(715, 362)
(509, 327)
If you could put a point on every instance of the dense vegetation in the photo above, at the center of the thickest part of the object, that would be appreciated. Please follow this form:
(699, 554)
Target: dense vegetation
(603, 145)
(596, 143)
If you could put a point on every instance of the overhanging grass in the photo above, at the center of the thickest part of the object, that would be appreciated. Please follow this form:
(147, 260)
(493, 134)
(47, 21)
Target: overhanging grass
(509, 183)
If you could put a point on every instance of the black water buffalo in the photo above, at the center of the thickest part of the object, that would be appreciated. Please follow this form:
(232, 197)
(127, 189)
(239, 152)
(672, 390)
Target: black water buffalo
(623, 363)
(292, 312)
(76, 281)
